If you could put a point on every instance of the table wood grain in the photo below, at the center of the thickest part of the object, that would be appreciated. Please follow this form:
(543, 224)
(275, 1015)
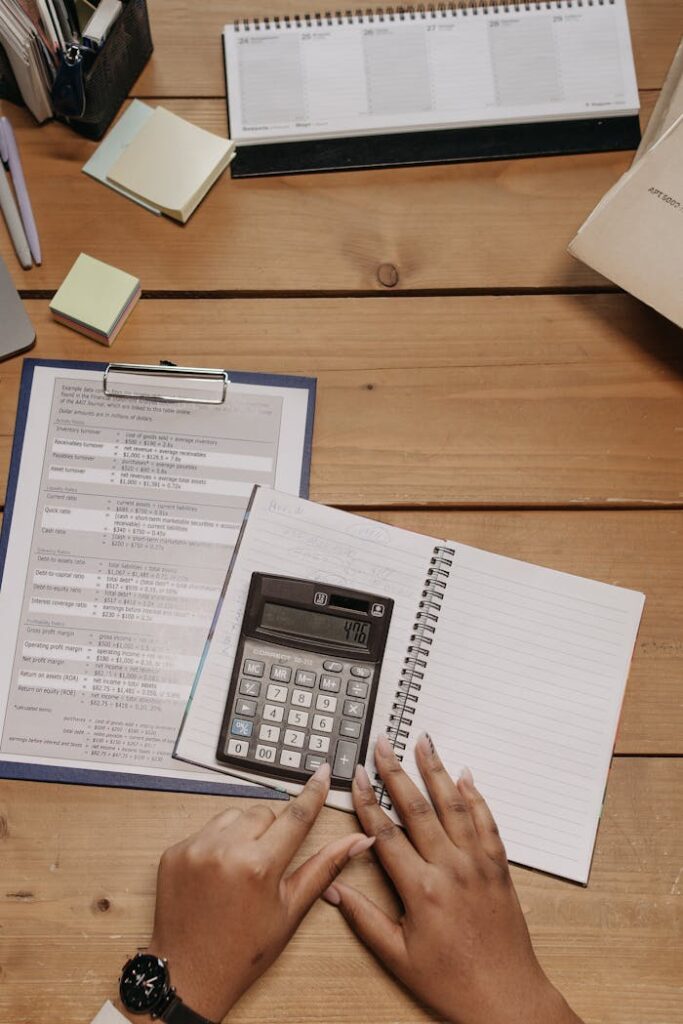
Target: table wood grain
(78, 870)
(494, 225)
(495, 392)
(468, 401)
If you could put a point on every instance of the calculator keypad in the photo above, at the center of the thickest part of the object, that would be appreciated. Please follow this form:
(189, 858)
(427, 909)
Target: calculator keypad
(295, 710)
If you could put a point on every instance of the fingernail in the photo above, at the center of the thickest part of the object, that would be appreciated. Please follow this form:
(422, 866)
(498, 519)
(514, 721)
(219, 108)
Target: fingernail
(322, 774)
(331, 895)
(426, 743)
(384, 747)
(361, 846)
(361, 777)
(466, 776)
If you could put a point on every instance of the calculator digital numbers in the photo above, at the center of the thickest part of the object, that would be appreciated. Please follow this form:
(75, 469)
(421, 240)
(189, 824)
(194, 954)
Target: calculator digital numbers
(304, 680)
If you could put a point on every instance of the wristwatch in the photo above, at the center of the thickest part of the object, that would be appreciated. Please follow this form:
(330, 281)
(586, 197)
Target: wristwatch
(145, 987)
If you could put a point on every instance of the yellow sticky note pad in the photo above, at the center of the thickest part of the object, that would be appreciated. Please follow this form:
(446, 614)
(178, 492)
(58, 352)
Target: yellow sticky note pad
(95, 299)
(171, 163)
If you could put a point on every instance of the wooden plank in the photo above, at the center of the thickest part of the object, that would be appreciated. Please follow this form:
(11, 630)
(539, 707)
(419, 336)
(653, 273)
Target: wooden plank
(492, 225)
(188, 59)
(584, 544)
(77, 898)
(532, 401)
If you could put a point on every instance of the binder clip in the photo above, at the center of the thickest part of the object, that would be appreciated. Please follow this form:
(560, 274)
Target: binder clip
(166, 383)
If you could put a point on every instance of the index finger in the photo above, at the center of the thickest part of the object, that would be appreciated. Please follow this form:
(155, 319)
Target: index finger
(291, 827)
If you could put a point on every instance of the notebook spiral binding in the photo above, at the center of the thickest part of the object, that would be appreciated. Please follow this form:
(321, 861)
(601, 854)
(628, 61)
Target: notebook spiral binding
(419, 12)
(414, 664)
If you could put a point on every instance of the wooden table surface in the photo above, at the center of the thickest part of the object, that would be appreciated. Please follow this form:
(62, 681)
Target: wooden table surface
(474, 382)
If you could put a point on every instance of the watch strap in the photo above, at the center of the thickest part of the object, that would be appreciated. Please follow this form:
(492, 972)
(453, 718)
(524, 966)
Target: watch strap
(178, 1013)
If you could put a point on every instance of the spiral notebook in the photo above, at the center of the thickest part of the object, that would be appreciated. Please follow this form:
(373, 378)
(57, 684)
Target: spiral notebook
(515, 670)
(434, 84)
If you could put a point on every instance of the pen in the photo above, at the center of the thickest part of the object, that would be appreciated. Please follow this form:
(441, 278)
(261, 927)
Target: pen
(48, 25)
(65, 24)
(9, 208)
(10, 154)
(56, 24)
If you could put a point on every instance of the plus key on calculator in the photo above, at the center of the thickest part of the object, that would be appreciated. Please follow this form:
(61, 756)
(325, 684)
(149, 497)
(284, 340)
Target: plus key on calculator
(304, 680)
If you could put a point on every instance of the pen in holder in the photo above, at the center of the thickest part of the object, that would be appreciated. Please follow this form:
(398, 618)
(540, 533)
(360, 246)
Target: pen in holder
(91, 84)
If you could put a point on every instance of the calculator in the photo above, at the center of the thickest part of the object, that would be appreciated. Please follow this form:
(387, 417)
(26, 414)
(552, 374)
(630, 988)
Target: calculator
(304, 680)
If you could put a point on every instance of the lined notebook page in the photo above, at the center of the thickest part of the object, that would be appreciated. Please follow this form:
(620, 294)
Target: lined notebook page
(290, 536)
(320, 77)
(524, 684)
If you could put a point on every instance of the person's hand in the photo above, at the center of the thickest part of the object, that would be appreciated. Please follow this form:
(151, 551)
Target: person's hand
(225, 905)
(462, 945)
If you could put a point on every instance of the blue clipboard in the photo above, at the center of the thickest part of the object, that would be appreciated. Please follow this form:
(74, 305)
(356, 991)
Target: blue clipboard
(37, 772)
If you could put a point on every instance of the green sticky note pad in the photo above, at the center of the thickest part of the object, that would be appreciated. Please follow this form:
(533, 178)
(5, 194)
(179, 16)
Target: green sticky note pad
(95, 298)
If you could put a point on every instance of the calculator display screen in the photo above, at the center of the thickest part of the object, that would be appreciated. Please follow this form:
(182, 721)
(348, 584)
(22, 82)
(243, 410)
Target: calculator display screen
(280, 618)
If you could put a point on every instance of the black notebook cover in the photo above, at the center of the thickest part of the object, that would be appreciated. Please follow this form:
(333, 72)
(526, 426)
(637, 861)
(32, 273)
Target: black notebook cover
(444, 146)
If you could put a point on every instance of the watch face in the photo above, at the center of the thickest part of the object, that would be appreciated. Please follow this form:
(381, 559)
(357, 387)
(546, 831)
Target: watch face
(143, 983)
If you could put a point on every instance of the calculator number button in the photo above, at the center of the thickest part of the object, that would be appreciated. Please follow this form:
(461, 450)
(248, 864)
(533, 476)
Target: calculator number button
(322, 724)
(299, 718)
(345, 759)
(294, 738)
(333, 666)
(325, 703)
(355, 688)
(269, 733)
(319, 744)
(330, 684)
(264, 753)
(354, 708)
(238, 748)
(241, 728)
(250, 688)
(350, 729)
(245, 707)
(253, 668)
(278, 693)
(361, 672)
(304, 678)
(281, 673)
(302, 698)
(290, 758)
(273, 713)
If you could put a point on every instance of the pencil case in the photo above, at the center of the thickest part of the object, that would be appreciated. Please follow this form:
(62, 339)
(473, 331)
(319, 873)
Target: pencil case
(107, 76)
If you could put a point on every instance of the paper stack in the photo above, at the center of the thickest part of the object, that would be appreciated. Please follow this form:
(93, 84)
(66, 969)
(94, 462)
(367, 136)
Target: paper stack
(669, 105)
(30, 54)
(635, 234)
(95, 299)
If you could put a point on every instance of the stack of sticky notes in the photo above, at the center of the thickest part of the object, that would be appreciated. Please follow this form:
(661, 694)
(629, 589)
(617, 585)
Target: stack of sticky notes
(95, 299)
(160, 160)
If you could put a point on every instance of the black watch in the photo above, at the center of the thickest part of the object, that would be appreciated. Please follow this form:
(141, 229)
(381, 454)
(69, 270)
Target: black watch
(145, 987)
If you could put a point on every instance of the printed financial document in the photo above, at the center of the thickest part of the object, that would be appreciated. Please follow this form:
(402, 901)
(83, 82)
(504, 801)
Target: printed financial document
(125, 516)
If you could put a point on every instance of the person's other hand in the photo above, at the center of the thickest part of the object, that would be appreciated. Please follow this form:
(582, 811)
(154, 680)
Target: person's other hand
(462, 945)
(225, 905)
